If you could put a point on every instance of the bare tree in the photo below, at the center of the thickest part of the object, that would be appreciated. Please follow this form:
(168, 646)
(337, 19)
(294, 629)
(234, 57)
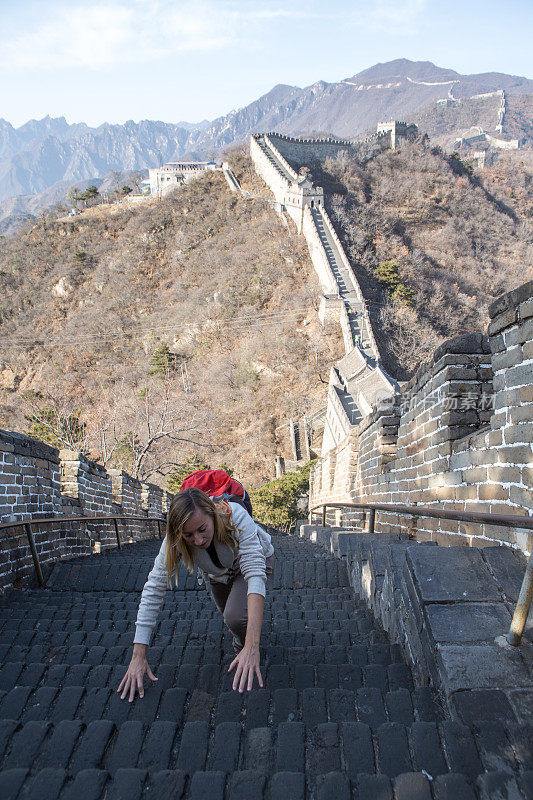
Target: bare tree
(105, 433)
(165, 417)
(55, 419)
(146, 431)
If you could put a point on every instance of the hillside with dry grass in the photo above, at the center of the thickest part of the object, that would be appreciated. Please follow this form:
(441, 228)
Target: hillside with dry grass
(149, 333)
(201, 306)
(432, 242)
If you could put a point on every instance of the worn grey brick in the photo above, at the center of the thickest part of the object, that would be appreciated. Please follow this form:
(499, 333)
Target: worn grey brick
(461, 751)
(165, 785)
(207, 785)
(258, 750)
(224, 753)
(25, 745)
(314, 706)
(427, 748)
(7, 729)
(370, 707)
(193, 746)
(66, 703)
(453, 787)
(323, 749)
(246, 785)
(11, 781)
(290, 756)
(358, 748)
(371, 787)
(46, 785)
(287, 786)
(411, 786)
(92, 745)
(172, 705)
(60, 745)
(157, 747)
(334, 784)
(498, 784)
(257, 705)
(127, 783)
(393, 749)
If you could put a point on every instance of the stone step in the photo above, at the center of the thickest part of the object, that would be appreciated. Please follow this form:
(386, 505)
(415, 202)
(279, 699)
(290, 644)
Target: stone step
(327, 695)
(141, 784)
(351, 747)
(301, 672)
(339, 715)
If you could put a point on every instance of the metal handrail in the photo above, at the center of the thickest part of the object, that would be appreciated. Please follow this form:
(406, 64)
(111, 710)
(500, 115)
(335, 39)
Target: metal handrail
(518, 623)
(26, 524)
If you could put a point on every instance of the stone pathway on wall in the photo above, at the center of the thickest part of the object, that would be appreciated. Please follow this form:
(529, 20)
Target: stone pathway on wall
(344, 282)
(339, 716)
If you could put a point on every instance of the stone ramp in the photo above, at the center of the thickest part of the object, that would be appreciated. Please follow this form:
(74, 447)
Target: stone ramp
(338, 717)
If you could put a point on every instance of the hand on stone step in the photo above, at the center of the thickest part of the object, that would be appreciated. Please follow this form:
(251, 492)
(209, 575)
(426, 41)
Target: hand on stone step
(247, 665)
(133, 679)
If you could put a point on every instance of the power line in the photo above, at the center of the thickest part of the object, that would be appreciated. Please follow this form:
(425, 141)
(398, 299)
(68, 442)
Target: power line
(262, 319)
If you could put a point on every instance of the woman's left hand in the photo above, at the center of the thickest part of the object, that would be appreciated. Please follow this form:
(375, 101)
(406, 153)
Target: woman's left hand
(247, 663)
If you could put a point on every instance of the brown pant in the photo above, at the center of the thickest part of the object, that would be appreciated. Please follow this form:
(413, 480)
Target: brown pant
(232, 600)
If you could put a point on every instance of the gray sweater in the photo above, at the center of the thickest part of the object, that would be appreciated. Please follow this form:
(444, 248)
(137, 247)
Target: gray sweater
(255, 547)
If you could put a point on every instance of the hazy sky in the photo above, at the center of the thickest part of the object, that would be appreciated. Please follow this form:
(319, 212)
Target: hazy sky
(96, 61)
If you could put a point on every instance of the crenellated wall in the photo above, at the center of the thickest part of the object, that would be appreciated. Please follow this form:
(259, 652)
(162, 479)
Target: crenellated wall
(458, 436)
(38, 481)
(302, 151)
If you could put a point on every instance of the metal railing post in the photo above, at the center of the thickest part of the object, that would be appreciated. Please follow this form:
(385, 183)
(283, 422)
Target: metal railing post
(115, 520)
(371, 520)
(36, 564)
(324, 510)
(523, 605)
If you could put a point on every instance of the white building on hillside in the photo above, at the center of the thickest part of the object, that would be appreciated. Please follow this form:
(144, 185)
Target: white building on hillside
(177, 173)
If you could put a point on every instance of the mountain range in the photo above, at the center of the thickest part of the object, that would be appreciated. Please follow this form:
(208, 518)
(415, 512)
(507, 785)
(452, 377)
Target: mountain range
(42, 158)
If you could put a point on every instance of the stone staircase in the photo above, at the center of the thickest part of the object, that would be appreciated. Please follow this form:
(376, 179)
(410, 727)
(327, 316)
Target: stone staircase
(339, 716)
(273, 160)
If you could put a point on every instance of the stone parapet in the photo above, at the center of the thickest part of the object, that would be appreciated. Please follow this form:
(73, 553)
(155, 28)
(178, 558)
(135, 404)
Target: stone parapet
(126, 492)
(449, 608)
(29, 478)
(152, 497)
(458, 436)
(86, 482)
(38, 481)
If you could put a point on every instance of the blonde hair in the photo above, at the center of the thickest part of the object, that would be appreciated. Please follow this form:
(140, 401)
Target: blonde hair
(182, 507)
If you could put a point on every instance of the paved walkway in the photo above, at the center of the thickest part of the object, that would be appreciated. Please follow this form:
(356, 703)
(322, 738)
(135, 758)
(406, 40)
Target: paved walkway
(338, 717)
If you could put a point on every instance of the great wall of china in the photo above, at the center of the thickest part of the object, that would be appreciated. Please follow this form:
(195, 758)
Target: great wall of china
(458, 436)
(387, 670)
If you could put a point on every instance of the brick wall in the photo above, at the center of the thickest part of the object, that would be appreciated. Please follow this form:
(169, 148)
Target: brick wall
(38, 481)
(29, 477)
(458, 437)
(303, 151)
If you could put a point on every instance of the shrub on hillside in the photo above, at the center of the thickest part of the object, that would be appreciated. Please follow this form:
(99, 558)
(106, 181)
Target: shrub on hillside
(162, 360)
(276, 502)
(388, 273)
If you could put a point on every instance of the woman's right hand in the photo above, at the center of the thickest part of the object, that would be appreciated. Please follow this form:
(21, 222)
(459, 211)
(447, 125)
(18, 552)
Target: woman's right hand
(133, 679)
